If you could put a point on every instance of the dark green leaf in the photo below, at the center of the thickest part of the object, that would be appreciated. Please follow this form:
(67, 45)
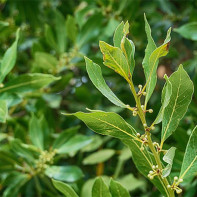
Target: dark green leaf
(182, 90)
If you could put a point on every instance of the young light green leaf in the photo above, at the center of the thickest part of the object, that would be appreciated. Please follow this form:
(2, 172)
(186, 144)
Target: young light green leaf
(151, 46)
(182, 90)
(99, 157)
(165, 99)
(9, 58)
(189, 165)
(168, 158)
(64, 188)
(100, 189)
(117, 190)
(188, 31)
(118, 35)
(28, 82)
(95, 74)
(64, 173)
(36, 133)
(144, 161)
(126, 45)
(3, 110)
(114, 58)
(107, 123)
(150, 71)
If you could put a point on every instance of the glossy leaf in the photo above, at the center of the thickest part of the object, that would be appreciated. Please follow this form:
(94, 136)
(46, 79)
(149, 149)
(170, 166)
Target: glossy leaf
(99, 157)
(189, 165)
(182, 90)
(64, 173)
(188, 31)
(35, 133)
(107, 123)
(64, 188)
(95, 74)
(9, 59)
(117, 190)
(28, 82)
(144, 161)
(100, 189)
(114, 58)
(168, 158)
(3, 111)
(151, 69)
(165, 99)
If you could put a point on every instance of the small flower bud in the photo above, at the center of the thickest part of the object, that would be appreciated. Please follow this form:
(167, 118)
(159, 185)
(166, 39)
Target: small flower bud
(178, 190)
(152, 127)
(151, 172)
(151, 177)
(138, 135)
(145, 125)
(150, 111)
(176, 178)
(153, 167)
(144, 93)
(157, 166)
(142, 106)
(180, 180)
(169, 186)
(140, 86)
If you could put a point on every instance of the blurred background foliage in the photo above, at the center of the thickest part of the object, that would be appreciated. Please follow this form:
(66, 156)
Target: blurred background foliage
(37, 142)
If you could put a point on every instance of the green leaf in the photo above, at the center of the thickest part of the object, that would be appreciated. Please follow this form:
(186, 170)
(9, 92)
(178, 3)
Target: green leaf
(49, 35)
(107, 123)
(3, 111)
(136, 182)
(9, 58)
(45, 61)
(189, 165)
(95, 74)
(168, 158)
(118, 35)
(126, 45)
(117, 190)
(71, 28)
(14, 183)
(64, 173)
(28, 82)
(60, 28)
(36, 133)
(74, 144)
(144, 161)
(151, 69)
(114, 58)
(64, 136)
(188, 31)
(165, 99)
(99, 157)
(151, 46)
(182, 90)
(100, 189)
(64, 188)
